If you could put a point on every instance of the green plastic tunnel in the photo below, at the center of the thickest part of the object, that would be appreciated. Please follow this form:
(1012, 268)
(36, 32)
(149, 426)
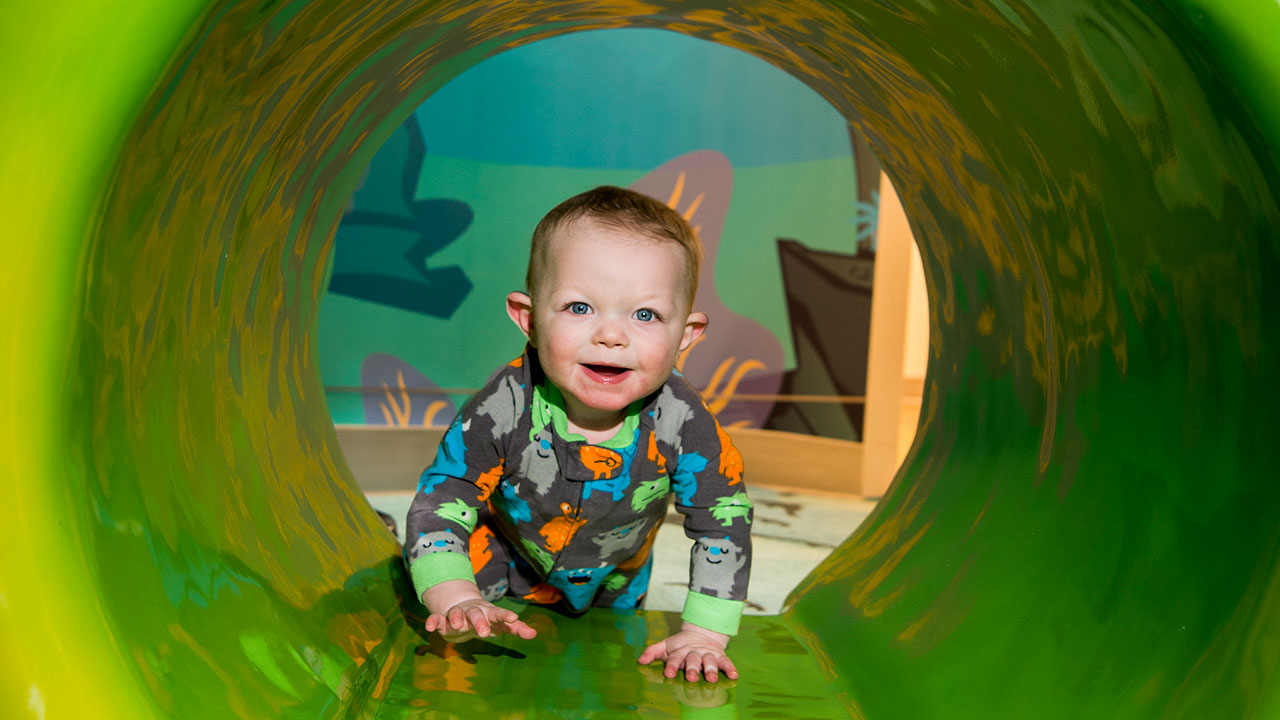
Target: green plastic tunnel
(1087, 526)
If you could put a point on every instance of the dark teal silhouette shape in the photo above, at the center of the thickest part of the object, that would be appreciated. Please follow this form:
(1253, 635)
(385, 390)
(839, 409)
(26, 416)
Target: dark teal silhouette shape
(383, 242)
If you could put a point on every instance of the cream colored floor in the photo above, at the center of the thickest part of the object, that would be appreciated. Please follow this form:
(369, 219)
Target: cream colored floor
(793, 531)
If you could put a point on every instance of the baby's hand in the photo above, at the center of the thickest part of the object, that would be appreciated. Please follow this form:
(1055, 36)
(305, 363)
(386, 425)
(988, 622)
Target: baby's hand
(477, 618)
(458, 613)
(698, 650)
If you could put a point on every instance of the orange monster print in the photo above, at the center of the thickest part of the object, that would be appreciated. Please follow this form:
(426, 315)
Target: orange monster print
(559, 531)
(488, 481)
(655, 456)
(543, 594)
(730, 458)
(478, 548)
(642, 554)
(602, 461)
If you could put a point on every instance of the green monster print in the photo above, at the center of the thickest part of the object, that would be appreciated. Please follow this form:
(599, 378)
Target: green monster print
(459, 512)
(649, 491)
(537, 555)
(726, 509)
(615, 581)
(540, 414)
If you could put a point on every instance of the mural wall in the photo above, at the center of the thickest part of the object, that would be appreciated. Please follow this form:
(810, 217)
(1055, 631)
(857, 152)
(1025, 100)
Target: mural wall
(780, 192)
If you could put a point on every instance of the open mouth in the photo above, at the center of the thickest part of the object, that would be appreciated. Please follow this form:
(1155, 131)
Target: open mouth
(605, 373)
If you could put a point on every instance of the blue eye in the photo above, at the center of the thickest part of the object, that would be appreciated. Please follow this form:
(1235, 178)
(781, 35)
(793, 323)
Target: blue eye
(646, 315)
(579, 308)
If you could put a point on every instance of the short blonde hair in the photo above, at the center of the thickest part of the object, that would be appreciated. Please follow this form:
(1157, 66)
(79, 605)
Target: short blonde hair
(621, 209)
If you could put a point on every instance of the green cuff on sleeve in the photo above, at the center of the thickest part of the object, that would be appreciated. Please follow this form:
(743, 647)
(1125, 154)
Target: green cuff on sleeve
(712, 613)
(435, 568)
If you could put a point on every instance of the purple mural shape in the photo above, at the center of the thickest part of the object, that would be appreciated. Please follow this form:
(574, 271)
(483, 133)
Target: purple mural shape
(403, 396)
(737, 356)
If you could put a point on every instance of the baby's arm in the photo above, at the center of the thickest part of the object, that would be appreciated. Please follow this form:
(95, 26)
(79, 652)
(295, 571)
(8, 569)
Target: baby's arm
(707, 482)
(696, 649)
(452, 496)
(458, 612)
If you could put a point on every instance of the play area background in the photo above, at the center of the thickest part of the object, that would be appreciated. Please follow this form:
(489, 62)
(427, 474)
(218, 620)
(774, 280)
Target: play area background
(769, 173)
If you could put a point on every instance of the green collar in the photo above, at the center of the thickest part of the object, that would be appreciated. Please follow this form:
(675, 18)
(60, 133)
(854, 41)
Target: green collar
(548, 408)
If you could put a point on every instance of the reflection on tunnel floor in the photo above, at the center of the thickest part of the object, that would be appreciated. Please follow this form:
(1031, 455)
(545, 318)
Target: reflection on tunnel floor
(503, 677)
(794, 530)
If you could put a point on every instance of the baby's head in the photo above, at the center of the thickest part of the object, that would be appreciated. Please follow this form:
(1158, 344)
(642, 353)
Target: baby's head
(623, 211)
(612, 277)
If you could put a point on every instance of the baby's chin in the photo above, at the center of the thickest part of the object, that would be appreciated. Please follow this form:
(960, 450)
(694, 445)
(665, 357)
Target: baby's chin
(607, 398)
(617, 404)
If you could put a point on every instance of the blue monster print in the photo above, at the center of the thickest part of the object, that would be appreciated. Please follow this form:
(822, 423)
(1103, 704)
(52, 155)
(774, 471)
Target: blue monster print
(517, 507)
(428, 481)
(636, 589)
(616, 486)
(619, 483)
(683, 480)
(449, 460)
(579, 585)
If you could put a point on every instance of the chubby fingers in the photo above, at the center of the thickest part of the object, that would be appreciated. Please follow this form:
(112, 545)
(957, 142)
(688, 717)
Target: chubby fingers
(456, 620)
(693, 667)
(695, 662)
(713, 664)
(507, 621)
(463, 622)
(517, 628)
(698, 664)
(478, 621)
(656, 651)
(680, 659)
(726, 665)
(435, 621)
(452, 625)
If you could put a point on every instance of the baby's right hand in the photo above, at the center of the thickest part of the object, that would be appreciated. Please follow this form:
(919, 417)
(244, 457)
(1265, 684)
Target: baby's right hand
(477, 618)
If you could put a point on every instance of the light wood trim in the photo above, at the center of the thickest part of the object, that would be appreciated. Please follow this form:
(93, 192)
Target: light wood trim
(887, 348)
(384, 458)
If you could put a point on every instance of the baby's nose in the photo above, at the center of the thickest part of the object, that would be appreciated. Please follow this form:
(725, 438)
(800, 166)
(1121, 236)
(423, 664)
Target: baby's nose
(611, 333)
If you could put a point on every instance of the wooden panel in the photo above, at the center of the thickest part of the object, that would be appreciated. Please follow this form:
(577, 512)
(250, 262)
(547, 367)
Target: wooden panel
(384, 459)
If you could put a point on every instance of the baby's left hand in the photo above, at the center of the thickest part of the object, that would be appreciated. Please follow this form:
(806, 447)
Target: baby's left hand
(698, 650)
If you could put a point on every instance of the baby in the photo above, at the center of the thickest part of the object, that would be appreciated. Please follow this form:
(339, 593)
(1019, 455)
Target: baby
(552, 482)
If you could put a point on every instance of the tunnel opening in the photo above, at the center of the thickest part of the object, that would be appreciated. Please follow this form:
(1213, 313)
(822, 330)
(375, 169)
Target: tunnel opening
(258, 195)
(439, 209)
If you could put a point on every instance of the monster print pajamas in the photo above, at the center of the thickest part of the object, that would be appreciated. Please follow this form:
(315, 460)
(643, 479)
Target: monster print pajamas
(525, 508)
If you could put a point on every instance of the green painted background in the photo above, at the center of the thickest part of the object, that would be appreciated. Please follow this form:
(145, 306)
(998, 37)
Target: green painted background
(1087, 525)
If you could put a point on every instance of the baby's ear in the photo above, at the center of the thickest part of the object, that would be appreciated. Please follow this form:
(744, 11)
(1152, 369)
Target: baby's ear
(520, 310)
(693, 329)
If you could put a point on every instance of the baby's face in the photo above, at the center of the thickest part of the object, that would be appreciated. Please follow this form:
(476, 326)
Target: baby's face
(610, 317)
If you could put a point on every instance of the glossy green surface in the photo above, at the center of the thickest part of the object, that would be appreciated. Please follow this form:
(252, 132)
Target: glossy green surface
(1086, 527)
